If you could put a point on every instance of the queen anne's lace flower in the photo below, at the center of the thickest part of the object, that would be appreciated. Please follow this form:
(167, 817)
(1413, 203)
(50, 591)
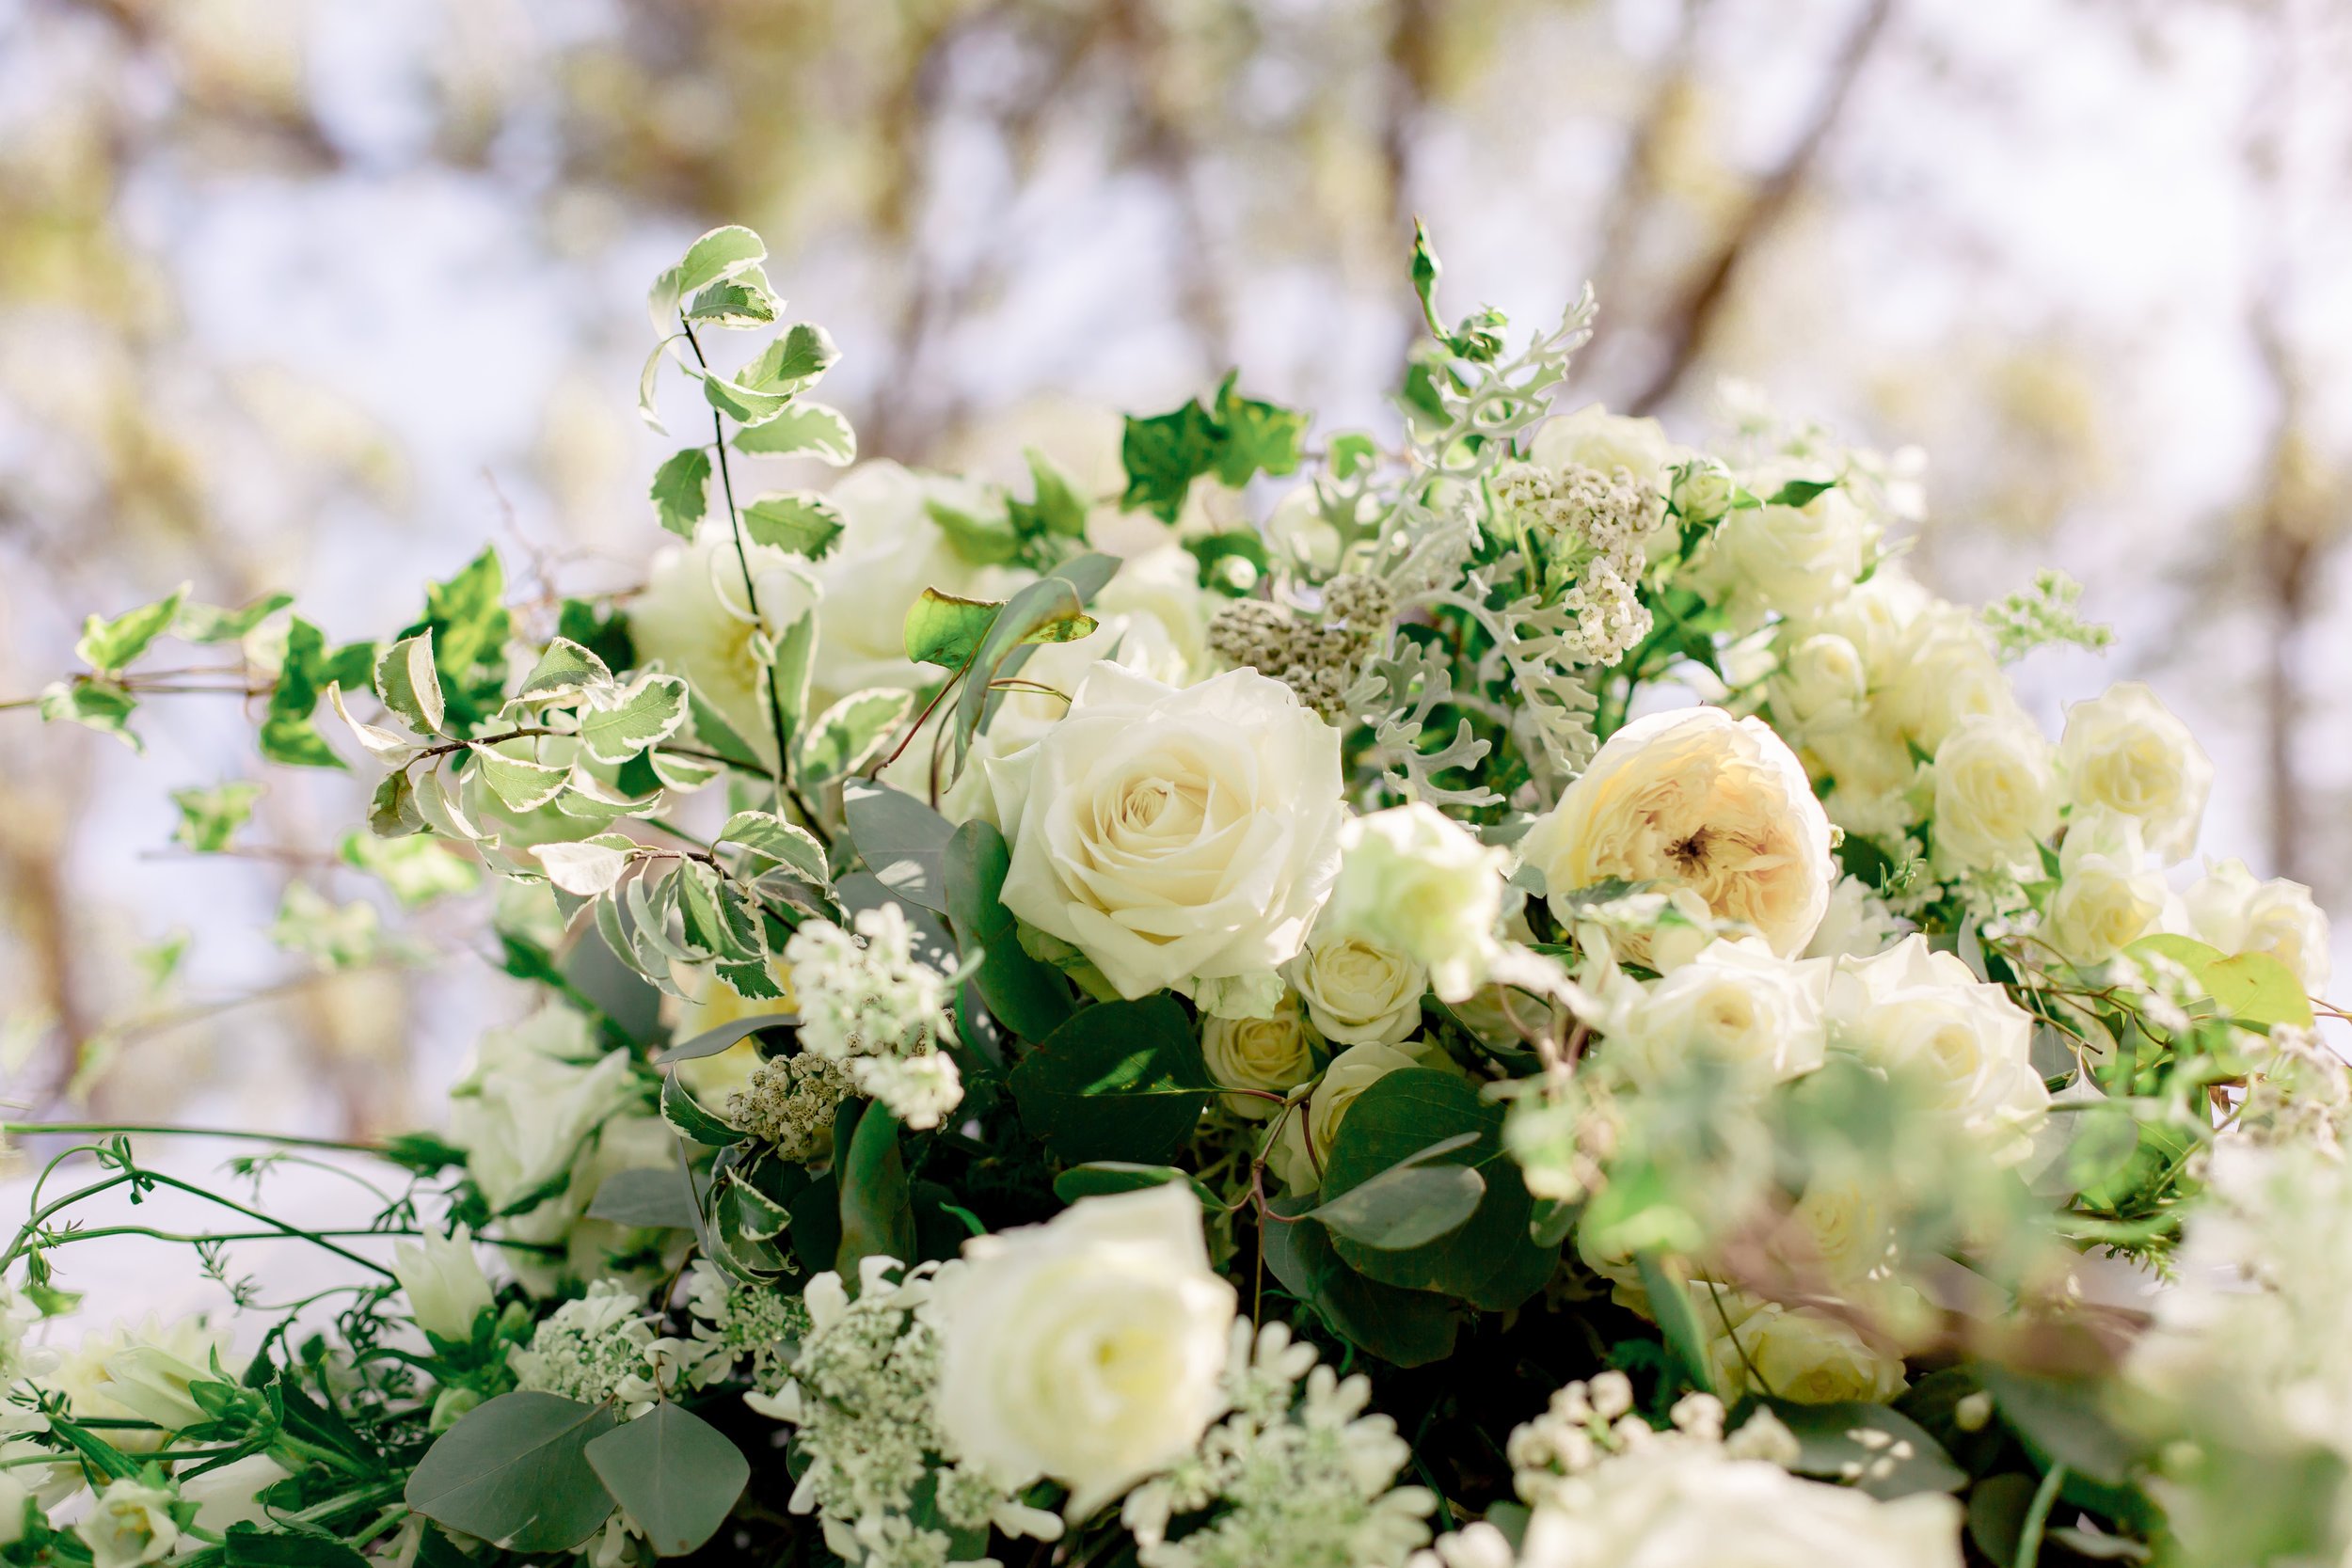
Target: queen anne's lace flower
(600, 1347)
(736, 1323)
(1298, 1476)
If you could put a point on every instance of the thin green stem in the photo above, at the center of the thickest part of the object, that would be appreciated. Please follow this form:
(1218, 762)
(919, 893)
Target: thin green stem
(29, 1128)
(2037, 1518)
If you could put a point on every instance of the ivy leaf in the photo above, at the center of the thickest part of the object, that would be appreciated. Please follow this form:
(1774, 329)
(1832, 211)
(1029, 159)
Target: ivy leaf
(803, 430)
(1028, 997)
(107, 646)
(877, 1209)
(97, 704)
(1256, 437)
(681, 490)
(1163, 456)
(846, 735)
(647, 716)
(796, 520)
(515, 1472)
(673, 1475)
(209, 818)
(1118, 1081)
(1056, 509)
(407, 683)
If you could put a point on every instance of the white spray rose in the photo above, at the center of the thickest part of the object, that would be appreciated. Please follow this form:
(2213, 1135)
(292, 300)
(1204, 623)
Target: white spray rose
(1942, 672)
(1858, 924)
(2125, 750)
(1694, 798)
(696, 620)
(447, 1289)
(890, 550)
(2108, 895)
(1799, 1355)
(1088, 1349)
(1792, 560)
(1958, 1040)
(1274, 1054)
(1997, 794)
(1737, 1006)
(1173, 837)
(2229, 909)
(1351, 1072)
(1688, 1506)
(1416, 882)
(130, 1522)
(1359, 993)
(1821, 682)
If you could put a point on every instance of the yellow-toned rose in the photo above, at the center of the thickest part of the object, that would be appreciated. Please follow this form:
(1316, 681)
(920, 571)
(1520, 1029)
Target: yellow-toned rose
(1271, 1054)
(1997, 794)
(1696, 799)
(2126, 752)
(2108, 896)
(1351, 1072)
(1797, 1353)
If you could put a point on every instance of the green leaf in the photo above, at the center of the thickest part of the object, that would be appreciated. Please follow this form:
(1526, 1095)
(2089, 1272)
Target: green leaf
(2063, 1419)
(392, 809)
(416, 869)
(846, 735)
(1351, 453)
(673, 1474)
(565, 667)
(209, 818)
(720, 253)
(515, 1472)
(945, 630)
(1412, 1203)
(902, 841)
(803, 430)
(681, 1111)
(1120, 1080)
(648, 715)
(203, 623)
(716, 919)
(1799, 492)
(796, 520)
(408, 684)
(782, 843)
(803, 353)
(466, 616)
(649, 1198)
(1102, 1178)
(681, 490)
(249, 1547)
(1052, 601)
(983, 539)
(1869, 1447)
(286, 736)
(520, 783)
(1056, 509)
(99, 704)
(2253, 988)
(1411, 1328)
(107, 646)
(1027, 996)
(1678, 1320)
(744, 300)
(1256, 437)
(877, 1208)
(1164, 454)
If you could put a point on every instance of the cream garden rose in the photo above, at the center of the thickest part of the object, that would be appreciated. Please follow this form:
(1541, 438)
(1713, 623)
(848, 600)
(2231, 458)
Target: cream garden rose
(1792, 560)
(1959, 1041)
(2229, 909)
(1088, 1349)
(1737, 1006)
(2108, 895)
(1273, 1055)
(1359, 993)
(1996, 794)
(1174, 837)
(1414, 881)
(1798, 1354)
(1694, 798)
(2126, 752)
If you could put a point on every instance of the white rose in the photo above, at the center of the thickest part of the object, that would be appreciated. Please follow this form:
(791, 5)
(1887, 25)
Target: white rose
(1415, 881)
(2126, 752)
(1351, 1072)
(1821, 681)
(447, 1289)
(1943, 674)
(2230, 910)
(1088, 1349)
(1997, 795)
(1843, 1228)
(1688, 1505)
(890, 550)
(1877, 618)
(1359, 993)
(1657, 932)
(2108, 895)
(1859, 924)
(1791, 560)
(1959, 1041)
(1694, 798)
(1798, 1355)
(130, 1522)
(1737, 1006)
(694, 620)
(1594, 438)
(1273, 1054)
(1174, 835)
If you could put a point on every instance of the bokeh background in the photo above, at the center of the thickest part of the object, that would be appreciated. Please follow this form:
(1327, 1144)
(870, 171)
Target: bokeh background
(319, 295)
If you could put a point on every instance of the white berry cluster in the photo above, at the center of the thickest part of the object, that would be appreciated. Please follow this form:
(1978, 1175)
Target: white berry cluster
(791, 1101)
(1319, 659)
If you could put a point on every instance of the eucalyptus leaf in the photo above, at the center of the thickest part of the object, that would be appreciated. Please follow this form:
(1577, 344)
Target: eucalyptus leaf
(673, 1475)
(877, 1213)
(1027, 996)
(1118, 1081)
(651, 1198)
(515, 1472)
(902, 841)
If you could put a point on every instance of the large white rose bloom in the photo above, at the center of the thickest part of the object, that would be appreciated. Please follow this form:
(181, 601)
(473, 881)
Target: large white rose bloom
(1174, 835)
(1688, 1506)
(1996, 794)
(2126, 752)
(1088, 1349)
(1694, 798)
(1791, 560)
(1958, 1040)
(2229, 909)
(695, 621)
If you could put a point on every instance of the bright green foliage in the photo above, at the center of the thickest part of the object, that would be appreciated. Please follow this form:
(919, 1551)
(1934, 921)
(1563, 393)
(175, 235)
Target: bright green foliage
(1239, 439)
(209, 818)
(797, 520)
(681, 490)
